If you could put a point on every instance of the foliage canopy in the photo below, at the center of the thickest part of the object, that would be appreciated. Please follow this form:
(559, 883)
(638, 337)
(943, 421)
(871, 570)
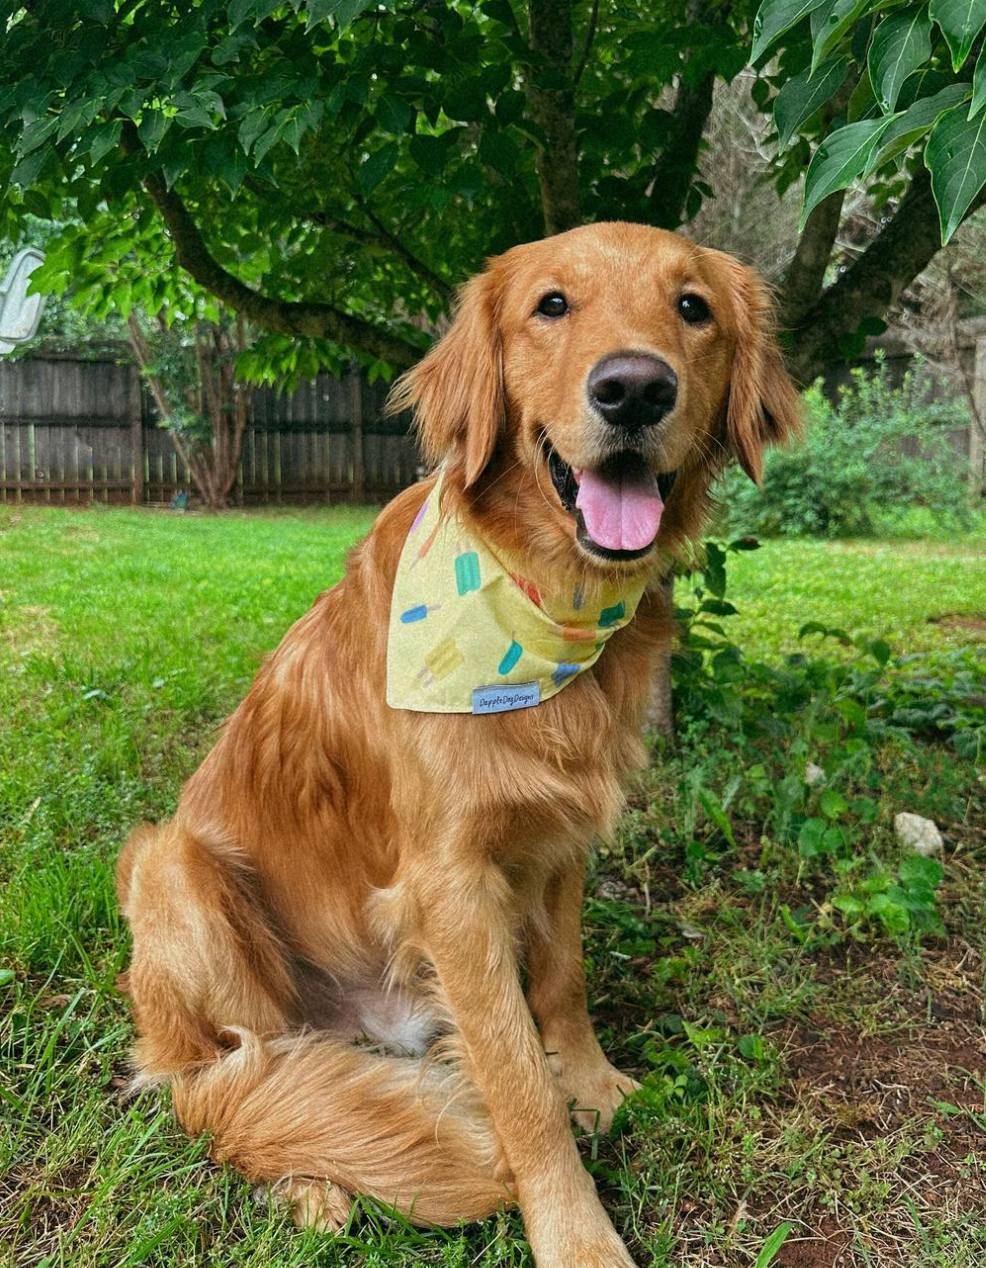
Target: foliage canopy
(333, 168)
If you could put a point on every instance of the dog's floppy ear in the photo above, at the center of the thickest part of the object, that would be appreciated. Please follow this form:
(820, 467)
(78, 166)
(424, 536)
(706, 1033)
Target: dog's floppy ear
(456, 391)
(764, 406)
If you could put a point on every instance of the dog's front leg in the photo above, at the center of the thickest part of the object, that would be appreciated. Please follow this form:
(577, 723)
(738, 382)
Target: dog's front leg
(464, 925)
(557, 997)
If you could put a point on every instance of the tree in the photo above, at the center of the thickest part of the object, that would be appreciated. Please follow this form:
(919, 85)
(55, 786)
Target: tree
(331, 169)
(191, 371)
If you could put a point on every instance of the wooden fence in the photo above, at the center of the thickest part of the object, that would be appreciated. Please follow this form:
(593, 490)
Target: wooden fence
(81, 430)
(75, 430)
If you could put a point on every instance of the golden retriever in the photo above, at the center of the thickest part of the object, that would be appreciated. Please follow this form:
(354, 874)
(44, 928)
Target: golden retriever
(338, 870)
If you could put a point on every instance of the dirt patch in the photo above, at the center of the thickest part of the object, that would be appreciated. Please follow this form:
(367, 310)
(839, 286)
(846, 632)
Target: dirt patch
(825, 1249)
(26, 629)
(968, 622)
(925, 1074)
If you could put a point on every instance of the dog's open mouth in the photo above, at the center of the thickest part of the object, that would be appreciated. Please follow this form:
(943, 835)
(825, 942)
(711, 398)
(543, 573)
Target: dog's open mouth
(617, 506)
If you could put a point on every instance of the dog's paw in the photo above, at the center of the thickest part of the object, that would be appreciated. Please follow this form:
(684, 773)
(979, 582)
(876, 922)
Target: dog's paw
(583, 1250)
(317, 1204)
(596, 1096)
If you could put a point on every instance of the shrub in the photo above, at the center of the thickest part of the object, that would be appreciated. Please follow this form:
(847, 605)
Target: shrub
(866, 462)
(785, 763)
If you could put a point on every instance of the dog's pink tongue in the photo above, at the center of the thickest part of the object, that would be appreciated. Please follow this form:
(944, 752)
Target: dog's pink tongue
(621, 511)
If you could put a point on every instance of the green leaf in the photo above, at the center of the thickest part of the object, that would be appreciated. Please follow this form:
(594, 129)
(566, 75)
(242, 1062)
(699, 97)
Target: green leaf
(793, 925)
(713, 808)
(772, 1245)
(152, 128)
(849, 905)
(393, 114)
(810, 837)
(893, 915)
(826, 631)
(901, 43)
(956, 158)
(233, 169)
(960, 21)
(829, 23)
(714, 570)
(6, 976)
(832, 804)
(377, 167)
(344, 11)
(805, 93)
(751, 1047)
(97, 10)
(702, 1036)
(979, 85)
(916, 870)
(252, 125)
(774, 18)
(910, 126)
(879, 649)
(106, 136)
(841, 157)
(36, 133)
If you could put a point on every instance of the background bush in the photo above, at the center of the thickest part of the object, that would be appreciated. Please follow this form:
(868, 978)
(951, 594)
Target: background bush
(867, 461)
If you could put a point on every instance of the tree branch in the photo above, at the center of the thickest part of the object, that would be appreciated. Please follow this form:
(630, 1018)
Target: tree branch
(553, 110)
(288, 317)
(871, 286)
(805, 274)
(379, 236)
(590, 35)
(675, 168)
(438, 284)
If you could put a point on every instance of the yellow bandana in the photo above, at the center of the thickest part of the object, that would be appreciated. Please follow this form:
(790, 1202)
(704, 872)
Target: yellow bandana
(469, 634)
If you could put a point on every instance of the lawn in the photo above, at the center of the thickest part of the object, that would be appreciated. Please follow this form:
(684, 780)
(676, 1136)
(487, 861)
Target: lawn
(806, 1009)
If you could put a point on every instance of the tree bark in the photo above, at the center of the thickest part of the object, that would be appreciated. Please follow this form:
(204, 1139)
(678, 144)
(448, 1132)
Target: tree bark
(873, 284)
(659, 718)
(805, 275)
(678, 163)
(551, 95)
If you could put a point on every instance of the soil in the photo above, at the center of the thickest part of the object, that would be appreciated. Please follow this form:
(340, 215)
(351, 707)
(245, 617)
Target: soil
(969, 622)
(929, 1068)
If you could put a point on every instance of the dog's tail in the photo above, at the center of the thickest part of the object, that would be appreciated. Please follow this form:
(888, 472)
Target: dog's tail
(312, 1106)
(217, 1010)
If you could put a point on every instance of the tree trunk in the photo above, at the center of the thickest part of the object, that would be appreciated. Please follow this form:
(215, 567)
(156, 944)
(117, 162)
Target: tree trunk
(977, 425)
(871, 286)
(659, 717)
(551, 94)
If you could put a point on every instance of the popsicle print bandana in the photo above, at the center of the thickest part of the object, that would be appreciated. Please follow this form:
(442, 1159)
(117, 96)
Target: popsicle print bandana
(470, 634)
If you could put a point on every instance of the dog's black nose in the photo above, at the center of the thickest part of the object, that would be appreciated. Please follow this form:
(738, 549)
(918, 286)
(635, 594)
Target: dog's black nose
(632, 389)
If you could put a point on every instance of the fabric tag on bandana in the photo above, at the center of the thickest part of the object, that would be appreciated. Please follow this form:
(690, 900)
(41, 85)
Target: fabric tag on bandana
(518, 695)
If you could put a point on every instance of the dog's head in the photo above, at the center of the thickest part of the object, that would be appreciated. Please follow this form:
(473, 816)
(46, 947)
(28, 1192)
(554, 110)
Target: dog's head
(595, 377)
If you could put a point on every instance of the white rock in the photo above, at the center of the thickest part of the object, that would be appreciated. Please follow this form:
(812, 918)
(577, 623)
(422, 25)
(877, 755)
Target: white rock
(918, 834)
(814, 775)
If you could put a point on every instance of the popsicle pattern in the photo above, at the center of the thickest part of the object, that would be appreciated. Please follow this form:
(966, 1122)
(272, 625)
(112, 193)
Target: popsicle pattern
(464, 618)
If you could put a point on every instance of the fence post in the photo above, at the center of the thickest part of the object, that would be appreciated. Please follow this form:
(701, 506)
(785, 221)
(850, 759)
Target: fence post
(356, 408)
(136, 411)
(977, 441)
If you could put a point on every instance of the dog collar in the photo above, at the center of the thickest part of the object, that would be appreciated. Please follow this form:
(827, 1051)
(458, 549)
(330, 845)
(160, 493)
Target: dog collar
(470, 634)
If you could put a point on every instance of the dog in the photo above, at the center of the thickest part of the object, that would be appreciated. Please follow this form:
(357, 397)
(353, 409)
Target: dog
(357, 954)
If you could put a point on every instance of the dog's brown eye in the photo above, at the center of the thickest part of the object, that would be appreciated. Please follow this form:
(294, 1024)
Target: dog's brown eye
(553, 305)
(694, 309)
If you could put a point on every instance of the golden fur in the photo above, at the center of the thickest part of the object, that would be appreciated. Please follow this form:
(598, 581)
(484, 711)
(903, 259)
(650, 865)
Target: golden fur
(337, 869)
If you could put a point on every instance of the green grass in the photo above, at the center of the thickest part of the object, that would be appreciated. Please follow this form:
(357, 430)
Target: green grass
(835, 1082)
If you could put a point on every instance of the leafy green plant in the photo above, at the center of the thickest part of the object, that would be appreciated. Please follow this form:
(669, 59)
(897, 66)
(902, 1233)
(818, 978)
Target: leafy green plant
(789, 755)
(867, 460)
(889, 87)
